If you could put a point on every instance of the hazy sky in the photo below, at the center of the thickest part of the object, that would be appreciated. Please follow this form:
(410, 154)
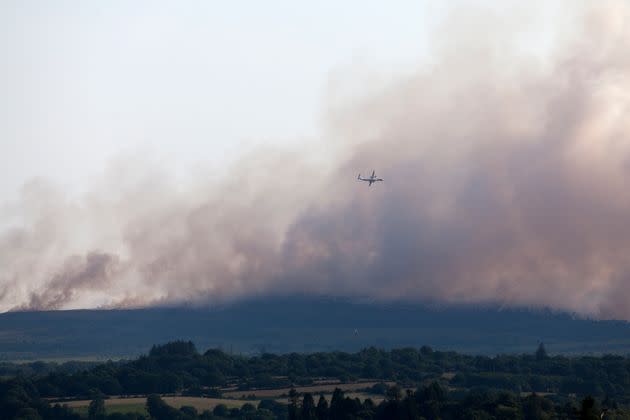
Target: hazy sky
(500, 129)
(191, 82)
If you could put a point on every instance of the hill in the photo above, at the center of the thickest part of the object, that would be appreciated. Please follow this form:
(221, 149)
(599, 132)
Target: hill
(300, 324)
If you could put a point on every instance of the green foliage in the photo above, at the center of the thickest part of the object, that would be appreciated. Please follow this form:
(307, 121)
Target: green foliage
(528, 386)
(221, 410)
(174, 348)
(188, 412)
(541, 353)
(294, 396)
(589, 410)
(308, 407)
(178, 367)
(96, 410)
(19, 399)
(322, 412)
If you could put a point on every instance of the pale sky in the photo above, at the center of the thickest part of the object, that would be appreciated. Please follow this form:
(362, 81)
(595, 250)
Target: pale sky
(192, 83)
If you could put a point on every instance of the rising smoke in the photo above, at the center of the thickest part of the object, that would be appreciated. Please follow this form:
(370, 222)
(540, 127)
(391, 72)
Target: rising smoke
(505, 181)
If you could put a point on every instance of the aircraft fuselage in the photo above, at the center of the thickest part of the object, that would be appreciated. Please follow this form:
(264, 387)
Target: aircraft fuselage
(372, 179)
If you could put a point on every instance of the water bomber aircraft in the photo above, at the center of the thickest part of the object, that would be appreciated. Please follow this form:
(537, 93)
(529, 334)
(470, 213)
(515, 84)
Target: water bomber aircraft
(372, 179)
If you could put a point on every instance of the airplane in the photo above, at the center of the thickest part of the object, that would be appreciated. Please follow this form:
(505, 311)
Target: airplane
(372, 179)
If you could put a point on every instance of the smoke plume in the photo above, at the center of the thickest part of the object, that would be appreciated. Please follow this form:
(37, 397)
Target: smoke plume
(505, 182)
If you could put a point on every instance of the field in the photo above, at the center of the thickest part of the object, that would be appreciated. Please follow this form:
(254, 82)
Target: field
(232, 398)
(125, 405)
(314, 389)
(137, 405)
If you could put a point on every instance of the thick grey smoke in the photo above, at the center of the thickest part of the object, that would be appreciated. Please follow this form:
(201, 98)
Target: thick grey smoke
(505, 181)
(77, 273)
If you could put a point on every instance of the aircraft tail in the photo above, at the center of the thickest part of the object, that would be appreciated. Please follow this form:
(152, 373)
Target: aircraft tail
(359, 177)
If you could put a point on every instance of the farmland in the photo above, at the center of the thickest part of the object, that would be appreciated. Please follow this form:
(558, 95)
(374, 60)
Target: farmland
(138, 404)
(230, 399)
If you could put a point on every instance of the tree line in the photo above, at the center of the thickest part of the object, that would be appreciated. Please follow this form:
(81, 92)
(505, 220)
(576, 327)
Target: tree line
(19, 400)
(178, 367)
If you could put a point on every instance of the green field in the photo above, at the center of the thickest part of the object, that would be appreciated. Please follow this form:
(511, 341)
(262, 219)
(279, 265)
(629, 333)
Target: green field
(114, 408)
(137, 405)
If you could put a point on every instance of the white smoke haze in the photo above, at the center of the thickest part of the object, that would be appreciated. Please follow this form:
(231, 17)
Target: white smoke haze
(505, 182)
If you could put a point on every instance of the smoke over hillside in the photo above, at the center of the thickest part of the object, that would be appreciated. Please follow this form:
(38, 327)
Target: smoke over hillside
(505, 181)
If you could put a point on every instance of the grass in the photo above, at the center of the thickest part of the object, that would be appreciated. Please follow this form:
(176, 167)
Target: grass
(233, 399)
(139, 408)
(138, 405)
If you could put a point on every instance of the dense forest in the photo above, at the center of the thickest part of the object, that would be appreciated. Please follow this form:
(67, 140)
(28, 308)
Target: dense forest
(429, 384)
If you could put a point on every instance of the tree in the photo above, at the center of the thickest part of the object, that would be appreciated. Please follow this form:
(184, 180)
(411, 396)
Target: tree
(308, 407)
(28, 414)
(159, 410)
(175, 348)
(322, 409)
(588, 410)
(293, 404)
(367, 410)
(432, 392)
(532, 407)
(274, 407)
(206, 415)
(409, 406)
(541, 353)
(336, 405)
(248, 407)
(189, 412)
(394, 393)
(221, 410)
(96, 411)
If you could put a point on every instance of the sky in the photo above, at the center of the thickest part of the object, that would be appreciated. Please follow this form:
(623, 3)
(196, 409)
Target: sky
(176, 152)
(193, 83)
